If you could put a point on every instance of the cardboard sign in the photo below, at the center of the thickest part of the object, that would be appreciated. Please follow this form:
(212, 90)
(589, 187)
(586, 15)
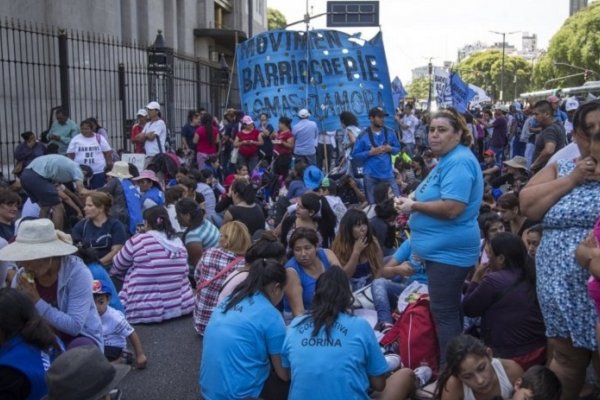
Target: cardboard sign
(135, 159)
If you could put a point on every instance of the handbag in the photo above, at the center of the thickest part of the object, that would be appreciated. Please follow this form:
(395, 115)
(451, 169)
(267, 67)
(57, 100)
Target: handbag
(234, 155)
(363, 298)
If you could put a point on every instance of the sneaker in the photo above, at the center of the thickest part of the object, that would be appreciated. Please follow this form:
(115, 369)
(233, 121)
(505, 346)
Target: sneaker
(383, 327)
(423, 375)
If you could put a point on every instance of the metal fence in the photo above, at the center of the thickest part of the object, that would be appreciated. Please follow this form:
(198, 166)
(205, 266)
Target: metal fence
(98, 76)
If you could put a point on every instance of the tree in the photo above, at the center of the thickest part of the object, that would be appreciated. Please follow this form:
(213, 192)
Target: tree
(484, 69)
(576, 43)
(275, 19)
(418, 88)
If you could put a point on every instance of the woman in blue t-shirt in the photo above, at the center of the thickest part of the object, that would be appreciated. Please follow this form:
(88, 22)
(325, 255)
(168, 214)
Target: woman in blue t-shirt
(443, 220)
(243, 339)
(303, 269)
(331, 353)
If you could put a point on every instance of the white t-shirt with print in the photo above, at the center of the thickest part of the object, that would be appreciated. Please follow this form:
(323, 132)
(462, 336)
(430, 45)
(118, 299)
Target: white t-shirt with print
(89, 151)
(115, 328)
(160, 129)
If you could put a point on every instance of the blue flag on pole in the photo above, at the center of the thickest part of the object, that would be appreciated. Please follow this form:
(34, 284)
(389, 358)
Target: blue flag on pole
(398, 92)
(461, 93)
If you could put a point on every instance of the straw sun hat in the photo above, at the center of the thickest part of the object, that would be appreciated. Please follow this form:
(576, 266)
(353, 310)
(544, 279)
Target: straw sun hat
(36, 239)
(120, 169)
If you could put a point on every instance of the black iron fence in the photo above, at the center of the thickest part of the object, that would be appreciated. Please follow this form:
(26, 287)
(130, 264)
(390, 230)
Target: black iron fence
(98, 76)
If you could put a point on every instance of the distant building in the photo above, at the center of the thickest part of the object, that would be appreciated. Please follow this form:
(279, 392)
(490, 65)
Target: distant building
(469, 49)
(423, 71)
(577, 5)
(528, 50)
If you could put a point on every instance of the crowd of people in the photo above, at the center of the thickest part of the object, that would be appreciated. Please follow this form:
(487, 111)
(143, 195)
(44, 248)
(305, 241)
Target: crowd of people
(299, 252)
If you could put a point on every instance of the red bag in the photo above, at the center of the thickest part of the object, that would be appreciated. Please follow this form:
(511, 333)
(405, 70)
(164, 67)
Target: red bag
(415, 334)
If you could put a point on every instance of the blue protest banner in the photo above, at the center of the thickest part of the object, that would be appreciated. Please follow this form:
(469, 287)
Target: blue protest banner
(325, 71)
(398, 92)
(461, 93)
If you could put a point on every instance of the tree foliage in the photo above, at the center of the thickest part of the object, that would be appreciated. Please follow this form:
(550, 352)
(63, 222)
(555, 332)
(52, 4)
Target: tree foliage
(418, 88)
(576, 43)
(484, 69)
(275, 19)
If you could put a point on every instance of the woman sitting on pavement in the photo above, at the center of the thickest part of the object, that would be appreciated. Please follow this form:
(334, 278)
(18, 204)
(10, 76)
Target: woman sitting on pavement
(26, 342)
(215, 266)
(303, 270)
(329, 334)
(125, 195)
(200, 233)
(357, 249)
(151, 189)
(58, 283)
(502, 293)
(312, 211)
(266, 246)
(508, 208)
(383, 226)
(104, 234)
(244, 208)
(244, 337)
(154, 266)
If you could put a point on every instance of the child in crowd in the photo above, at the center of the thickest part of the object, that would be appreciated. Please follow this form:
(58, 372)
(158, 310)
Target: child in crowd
(532, 238)
(472, 373)
(115, 328)
(538, 383)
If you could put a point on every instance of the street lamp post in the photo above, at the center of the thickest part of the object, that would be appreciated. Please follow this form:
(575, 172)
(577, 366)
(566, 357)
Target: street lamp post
(430, 70)
(503, 34)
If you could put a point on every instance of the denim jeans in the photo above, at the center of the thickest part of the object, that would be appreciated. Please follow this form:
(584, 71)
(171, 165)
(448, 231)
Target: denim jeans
(385, 297)
(445, 291)
(370, 182)
(499, 154)
(310, 159)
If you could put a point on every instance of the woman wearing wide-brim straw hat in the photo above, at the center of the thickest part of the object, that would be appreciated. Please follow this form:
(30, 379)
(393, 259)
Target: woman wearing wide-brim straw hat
(58, 283)
(125, 196)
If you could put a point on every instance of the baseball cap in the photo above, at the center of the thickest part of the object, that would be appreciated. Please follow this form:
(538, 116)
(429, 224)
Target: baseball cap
(377, 112)
(247, 120)
(99, 288)
(153, 105)
(552, 99)
(142, 112)
(304, 113)
(489, 153)
(571, 104)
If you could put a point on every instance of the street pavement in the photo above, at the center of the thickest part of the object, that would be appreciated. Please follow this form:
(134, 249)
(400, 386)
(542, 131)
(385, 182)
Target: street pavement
(173, 349)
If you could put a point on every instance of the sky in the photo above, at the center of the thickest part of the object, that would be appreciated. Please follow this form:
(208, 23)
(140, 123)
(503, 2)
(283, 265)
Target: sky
(414, 30)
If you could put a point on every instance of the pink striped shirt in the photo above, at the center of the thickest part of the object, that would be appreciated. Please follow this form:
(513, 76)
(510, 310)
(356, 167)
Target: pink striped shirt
(156, 286)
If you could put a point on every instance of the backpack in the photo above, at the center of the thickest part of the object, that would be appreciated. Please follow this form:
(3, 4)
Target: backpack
(415, 335)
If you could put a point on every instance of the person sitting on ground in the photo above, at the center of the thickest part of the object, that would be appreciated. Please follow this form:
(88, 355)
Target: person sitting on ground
(214, 268)
(502, 293)
(296, 186)
(154, 266)
(508, 208)
(516, 168)
(350, 192)
(172, 196)
(303, 270)
(9, 208)
(247, 331)
(538, 383)
(150, 188)
(244, 208)
(26, 343)
(84, 373)
(532, 238)
(125, 195)
(116, 331)
(490, 168)
(357, 249)
(97, 230)
(381, 192)
(328, 189)
(58, 283)
(330, 333)
(313, 212)
(200, 234)
(266, 246)
(472, 373)
(383, 226)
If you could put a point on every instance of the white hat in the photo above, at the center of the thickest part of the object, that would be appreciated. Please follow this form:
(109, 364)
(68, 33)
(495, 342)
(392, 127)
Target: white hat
(153, 105)
(303, 113)
(120, 169)
(142, 112)
(36, 239)
(571, 104)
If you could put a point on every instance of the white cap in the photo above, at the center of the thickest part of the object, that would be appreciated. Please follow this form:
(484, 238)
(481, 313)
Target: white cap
(303, 113)
(142, 112)
(153, 105)
(571, 104)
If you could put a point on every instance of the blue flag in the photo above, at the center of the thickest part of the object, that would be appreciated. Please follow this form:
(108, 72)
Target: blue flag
(398, 92)
(461, 93)
(325, 71)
